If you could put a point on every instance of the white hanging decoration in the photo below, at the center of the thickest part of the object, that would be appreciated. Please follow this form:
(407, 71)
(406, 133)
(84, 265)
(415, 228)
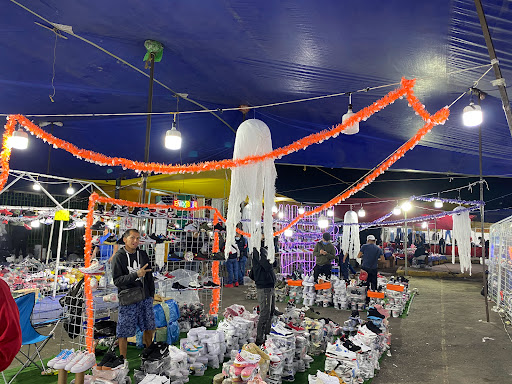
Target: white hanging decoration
(256, 181)
(462, 235)
(350, 241)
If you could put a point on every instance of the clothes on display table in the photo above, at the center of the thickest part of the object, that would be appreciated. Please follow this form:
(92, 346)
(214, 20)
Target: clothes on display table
(19, 234)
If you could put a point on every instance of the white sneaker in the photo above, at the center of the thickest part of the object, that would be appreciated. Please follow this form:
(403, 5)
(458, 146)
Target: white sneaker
(78, 356)
(87, 362)
(64, 360)
(59, 357)
(95, 267)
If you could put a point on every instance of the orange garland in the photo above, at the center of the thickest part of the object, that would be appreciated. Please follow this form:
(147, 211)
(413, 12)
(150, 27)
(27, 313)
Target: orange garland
(215, 304)
(5, 156)
(138, 166)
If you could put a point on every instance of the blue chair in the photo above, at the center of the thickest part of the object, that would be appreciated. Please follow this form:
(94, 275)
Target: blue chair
(29, 336)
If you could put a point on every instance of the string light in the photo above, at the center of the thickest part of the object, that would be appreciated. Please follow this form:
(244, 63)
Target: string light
(323, 222)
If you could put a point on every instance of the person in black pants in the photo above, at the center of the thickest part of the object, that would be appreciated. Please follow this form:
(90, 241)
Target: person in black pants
(370, 253)
(324, 253)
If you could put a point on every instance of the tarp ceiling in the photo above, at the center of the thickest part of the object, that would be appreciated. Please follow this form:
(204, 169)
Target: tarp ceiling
(227, 53)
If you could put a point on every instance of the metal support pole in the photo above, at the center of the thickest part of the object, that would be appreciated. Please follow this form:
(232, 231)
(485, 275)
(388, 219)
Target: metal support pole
(500, 81)
(118, 188)
(148, 124)
(406, 238)
(50, 243)
(484, 264)
(59, 245)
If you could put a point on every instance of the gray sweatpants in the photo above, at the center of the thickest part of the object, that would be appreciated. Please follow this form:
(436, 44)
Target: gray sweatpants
(267, 303)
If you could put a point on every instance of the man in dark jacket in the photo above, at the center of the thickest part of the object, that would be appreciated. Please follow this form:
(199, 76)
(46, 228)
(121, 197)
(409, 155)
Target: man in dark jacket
(242, 244)
(265, 279)
(324, 253)
(131, 268)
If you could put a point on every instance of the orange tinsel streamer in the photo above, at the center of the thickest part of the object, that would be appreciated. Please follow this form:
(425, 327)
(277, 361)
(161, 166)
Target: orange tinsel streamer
(214, 305)
(89, 299)
(315, 138)
(5, 156)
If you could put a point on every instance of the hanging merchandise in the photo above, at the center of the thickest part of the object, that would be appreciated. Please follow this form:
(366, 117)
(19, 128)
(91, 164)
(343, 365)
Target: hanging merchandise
(462, 237)
(256, 181)
(350, 240)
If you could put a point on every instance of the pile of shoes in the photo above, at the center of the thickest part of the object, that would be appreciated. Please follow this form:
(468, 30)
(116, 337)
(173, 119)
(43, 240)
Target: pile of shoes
(397, 299)
(295, 291)
(281, 290)
(351, 325)
(112, 368)
(238, 331)
(356, 296)
(356, 357)
(192, 316)
(339, 297)
(248, 365)
(251, 292)
(308, 290)
(317, 340)
(196, 357)
(280, 346)
(324, 378)
(155, 361)
(323, 295)
(213, 344)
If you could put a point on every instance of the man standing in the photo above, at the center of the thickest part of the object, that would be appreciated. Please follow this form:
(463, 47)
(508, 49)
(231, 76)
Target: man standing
(241, 242)
(370, 253)
(232, 266)
(263, 275)
(131, 268)
(324, 253)
(442, 245)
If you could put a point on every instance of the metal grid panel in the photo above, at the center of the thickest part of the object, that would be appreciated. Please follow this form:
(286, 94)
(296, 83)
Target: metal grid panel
(500, 266)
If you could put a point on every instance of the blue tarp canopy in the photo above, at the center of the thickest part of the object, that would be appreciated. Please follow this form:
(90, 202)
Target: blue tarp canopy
(227, 53)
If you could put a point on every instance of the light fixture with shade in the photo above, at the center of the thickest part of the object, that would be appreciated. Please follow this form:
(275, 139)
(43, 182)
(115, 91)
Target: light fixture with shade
(472, 115)
(330, 212)
(35, 224)
(354, 128)
(406, 206)
(36, 186)
(18, 140)
(323, 222)
(361, 212)
(397, 210)
(173, 137)
(280, 215)
(301, 210)
(424, 225)
(70, 189)
(288, 232)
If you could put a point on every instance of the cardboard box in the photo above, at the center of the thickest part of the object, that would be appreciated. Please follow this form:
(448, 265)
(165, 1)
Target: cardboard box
(384, 264)
(400, 262)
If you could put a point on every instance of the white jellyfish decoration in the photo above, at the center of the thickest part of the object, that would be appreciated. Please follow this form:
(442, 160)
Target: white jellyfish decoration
(350, 240)
(255, 181)
(462, 235)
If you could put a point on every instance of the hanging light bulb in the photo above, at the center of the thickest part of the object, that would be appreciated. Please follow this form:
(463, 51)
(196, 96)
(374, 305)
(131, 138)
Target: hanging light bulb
(397, 210)
(280, 215)
(70, 189)
(438, 204)
(424, 225)
(35, 224)
(18, 140)
(36, 186)
(354, 128)
(472, 115)
(323, 222)
(330, 212)
(288, 232)
(406, 206)
(361, 212)
(173, 137)
(274, 209)
(301, 210)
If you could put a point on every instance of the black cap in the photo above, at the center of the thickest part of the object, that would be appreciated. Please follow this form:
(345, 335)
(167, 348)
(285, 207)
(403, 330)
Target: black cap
(326, 236)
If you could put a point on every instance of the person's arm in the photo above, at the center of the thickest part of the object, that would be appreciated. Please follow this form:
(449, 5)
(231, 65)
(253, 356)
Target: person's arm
(265, 264)
(381, 256)
(331, 254)
(359, 255)
(316, 251)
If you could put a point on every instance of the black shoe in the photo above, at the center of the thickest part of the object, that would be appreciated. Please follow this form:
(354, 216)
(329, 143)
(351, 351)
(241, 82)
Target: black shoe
(135, 211)
(160, 352)
(147, 351)
(372, 327)
(277, 313)
(98, 226)
(374, 313)
(101, 208)
(351, 346)
(112, 239)
(177, 285)
(114, 363)
(210, 284)
(156, 238)
(109, 356)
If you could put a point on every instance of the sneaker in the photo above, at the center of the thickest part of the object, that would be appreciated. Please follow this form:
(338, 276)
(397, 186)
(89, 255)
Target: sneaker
(111, 298)
(210, 284)
(177, 285)
(94, 267)
(158, 352)
(194, 285)
(87, 362)
(77, 357)
(71, 225)
(64, 360)
(108, 357)
(58, 357)
(228, 285)
(114, 363)
(98, 226)
(236, 284)
(339, 352)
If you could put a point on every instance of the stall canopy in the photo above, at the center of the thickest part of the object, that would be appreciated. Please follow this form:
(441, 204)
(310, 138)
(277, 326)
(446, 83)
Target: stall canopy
(226, 53)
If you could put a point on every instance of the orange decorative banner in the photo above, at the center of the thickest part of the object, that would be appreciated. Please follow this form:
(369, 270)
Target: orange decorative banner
(215, 304)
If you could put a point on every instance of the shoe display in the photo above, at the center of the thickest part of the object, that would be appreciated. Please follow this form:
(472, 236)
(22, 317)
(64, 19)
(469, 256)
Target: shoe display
(194, 285)
(98, 226)
(77, 357)
(106, 358)
(64, 360)
(59, 357)
(210, 284)
(114, 363)
(177, 285)
(159, 351)
(95, 267)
